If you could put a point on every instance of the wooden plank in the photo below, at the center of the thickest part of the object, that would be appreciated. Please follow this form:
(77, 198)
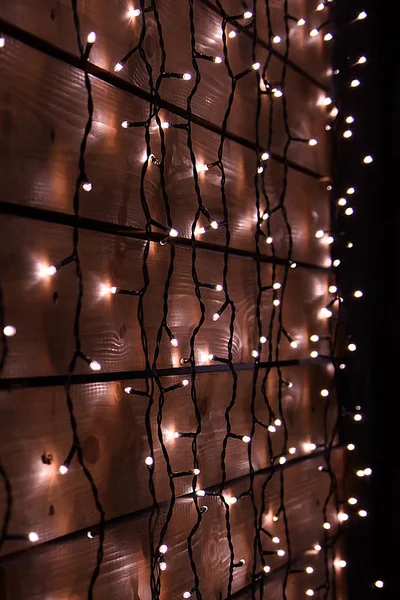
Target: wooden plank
(125, 571)
(115, 36)
(43, 308)
(111, 426)
(42, 141)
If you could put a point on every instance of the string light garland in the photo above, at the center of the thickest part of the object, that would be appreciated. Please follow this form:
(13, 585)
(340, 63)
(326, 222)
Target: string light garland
(155, 390)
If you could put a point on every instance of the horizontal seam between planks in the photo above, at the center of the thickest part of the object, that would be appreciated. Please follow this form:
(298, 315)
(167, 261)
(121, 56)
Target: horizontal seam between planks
(58, 53)
(69, 220)
(137, 514)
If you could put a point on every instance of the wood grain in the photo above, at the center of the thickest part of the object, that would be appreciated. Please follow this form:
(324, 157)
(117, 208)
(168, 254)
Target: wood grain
(116, 36)
(125, 570)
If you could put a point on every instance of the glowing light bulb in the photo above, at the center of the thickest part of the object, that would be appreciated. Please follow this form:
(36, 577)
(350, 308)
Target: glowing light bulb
(163, 566)
(33, 537)
(275, 540)
(185, 382)
(254, 354)
(260, 169)
(276, 39)
(214, 224)
(349, 211)
(336, 262)
(275, 518)
(278, 422)
(360, 473)
(312, 142)
(326, 525)
(266, 569)
(362, 60)
(352, 347)
(292, 450)
(314, 338)
(247, 15)
(379, 584)
(350, 190)
(196, 471)
(313, 354)
(186, 594)
(319, 234)
(163, 548)
(327, 101)
(328, 37)
(324, 393)
(309, 592)
(350, 244)
(246, 439)
(173, 232)
(230, 500)
(149, 461)
(165, 125)
(133, 12)
(117, 68)
(264, 156)
(301, 22)
(9, 330)
(309, 570)
(282, 461)
(362, 15)
(87, 186)
(200, 493)
(341, 564)
(309, 447)
(317, 547)
(368, 471)
(332, 289)
(334, 112)
(187, 76)
(217, 60)
(263, 339)
(63, 469)
(357, 417)
(294, 344)
(210, 357)
(271, 428)
(354, 83)
(328, 127)
(90, 535)
(255, 66)
(276, 302)
(314, 32)
(232, 34)
(367, 160)
(320, 6)
(91, 38)
(95, 365)
(2, 41)
(343, 517)
(348, 133)
(362, 513)
(280, 552)
(113, 289)
(219, 287)
(342, 202)
(174, 342)
(269, 240)
(325, 313)
(352, 501)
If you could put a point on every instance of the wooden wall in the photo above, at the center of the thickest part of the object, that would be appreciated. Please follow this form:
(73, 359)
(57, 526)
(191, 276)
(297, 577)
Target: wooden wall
(43, 113)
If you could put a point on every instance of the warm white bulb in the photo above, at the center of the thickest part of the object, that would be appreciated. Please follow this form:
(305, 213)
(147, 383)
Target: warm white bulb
(247, 15)
(317, 547)
(218, 60)
(133, 12)
(95, 365)
(358, 294)
(368, 471)
(214, 224)
(341, 564)
(362, 15)
(128, 389)
(275, 540)
(324, 393)
(326, 525)
(113, 289)
(334, 112)
(330, 239)
(196, 471)
(325, 313)
(186, 594)
(278, 422)
(336, 262)
(312, 142)
(173, 232)
(219, 287)
(149, 461)
(2, 41)
(349, 120)
(254, 354)
(271, 428)
(9, 330)
(355, 83)
(357, 417)
(276, 302)
(332, 289)
(320, 6)
(87, 186)
(309, 570)
(349, 211)
(309, 447)
(328, 127)
(165, 125)
(187, 76)
(301, 22)
(91, 38)
(281, 552)
(327, 101)
(282, 460)
(269, 240)
(379, 584)
(328, 37)
(90, 535)
(276, 39)
(163, 548)
(33, 537)
(342, 202)
(185, 382)
(314, 32)
(362, 513)
(360, 473)
(163, 566)
(314, 338)
(292, 450)
(210, 357)
(310, 592)
(277, 93)
(319, 234)
(63, 469)
(174, 342)
(352, 347)
(313, 354)
(352, 501)
(350, 190)
(246, 439)
(216, 316)
(348, 133)
(255, 66)
(264, 156)
(200, 493)
(232, 34)
(263, 339)
(362, 60)
(266, 569)
(293, 265)
(367, 160)
(343, 517)
(294, 344)
(260, 169)
(275, 518)
(230, 499)
(118, 67)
